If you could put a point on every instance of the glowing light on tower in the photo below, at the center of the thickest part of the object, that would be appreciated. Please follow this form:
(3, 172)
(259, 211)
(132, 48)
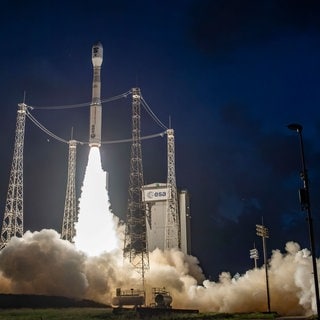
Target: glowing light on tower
(96, 229)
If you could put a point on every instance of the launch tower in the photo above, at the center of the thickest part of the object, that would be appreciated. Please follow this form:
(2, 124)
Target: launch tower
(135, 246)
(70, 206)
(172, 236)
(12, 224)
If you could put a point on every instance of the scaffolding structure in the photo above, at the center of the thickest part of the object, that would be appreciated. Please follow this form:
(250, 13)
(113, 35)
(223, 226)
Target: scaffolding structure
(135, 245)
(12, 225)
(70, 215)
(172, 232)
(135, 242)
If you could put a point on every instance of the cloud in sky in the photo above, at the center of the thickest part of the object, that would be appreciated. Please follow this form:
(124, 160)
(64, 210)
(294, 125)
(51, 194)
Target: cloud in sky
(225, 25)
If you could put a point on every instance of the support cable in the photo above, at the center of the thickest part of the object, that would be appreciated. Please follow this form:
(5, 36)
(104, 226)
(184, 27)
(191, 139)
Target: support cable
(44, 129)
(161, 134)
(152, 114)
(52, 135)
(114, 98)
(80, 105)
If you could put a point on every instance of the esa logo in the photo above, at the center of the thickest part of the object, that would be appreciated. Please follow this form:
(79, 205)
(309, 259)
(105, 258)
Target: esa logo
(157, 194)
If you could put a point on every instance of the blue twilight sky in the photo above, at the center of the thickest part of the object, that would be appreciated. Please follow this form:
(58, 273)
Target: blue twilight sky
(231, 75)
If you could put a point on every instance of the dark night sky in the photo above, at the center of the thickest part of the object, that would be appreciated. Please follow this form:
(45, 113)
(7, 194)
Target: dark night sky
(231, 75)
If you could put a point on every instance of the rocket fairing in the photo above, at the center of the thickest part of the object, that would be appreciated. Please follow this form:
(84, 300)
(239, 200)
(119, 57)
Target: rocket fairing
(95, 107)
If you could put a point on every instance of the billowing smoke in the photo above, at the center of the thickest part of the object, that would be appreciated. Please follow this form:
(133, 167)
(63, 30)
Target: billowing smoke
(43, 263)
(290, 279)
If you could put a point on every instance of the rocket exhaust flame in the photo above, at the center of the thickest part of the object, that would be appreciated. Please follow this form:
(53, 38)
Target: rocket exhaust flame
(96, 229)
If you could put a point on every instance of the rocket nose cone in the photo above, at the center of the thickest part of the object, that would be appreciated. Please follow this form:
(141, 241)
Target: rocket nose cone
(97, 54)
(97, 44)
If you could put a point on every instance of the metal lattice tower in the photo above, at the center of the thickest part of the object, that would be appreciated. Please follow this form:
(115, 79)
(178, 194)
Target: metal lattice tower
(12, 224)
(172, 232)
(135, 245)
(70, 207)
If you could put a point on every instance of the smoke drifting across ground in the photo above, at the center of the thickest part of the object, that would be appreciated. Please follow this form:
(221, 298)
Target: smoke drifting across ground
(42, 263)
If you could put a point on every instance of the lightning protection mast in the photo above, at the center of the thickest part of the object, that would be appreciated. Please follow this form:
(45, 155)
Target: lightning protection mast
(135, 245)
(12, 225)
(70, 208)
(172, 232)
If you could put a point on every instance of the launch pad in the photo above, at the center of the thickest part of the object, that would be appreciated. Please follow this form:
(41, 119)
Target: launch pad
(161, 305)
(136, 237)
(148, 312)
(129, 300)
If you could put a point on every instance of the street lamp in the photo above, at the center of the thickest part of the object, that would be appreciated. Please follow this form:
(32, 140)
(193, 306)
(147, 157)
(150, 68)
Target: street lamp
(305, 206)
(263, 232)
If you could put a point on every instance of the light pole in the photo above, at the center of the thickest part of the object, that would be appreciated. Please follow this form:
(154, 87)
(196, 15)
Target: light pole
(254, 254)
(305, 206)
(263, 232)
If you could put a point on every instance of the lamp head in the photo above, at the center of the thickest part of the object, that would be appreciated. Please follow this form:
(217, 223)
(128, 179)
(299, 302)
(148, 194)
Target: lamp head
(295, 127)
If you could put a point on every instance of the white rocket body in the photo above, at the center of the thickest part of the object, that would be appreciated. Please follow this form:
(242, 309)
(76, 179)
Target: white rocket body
(95, 107)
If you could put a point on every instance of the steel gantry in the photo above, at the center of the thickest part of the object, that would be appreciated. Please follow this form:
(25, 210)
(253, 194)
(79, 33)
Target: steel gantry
(172, 232)
(12, 225)
(135, 245)
(70, 206)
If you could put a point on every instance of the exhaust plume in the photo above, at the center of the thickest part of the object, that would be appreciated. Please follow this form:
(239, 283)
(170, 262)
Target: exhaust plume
(96, 229)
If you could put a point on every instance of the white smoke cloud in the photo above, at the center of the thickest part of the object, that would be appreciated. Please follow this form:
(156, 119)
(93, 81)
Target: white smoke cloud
(290, 283)
(42, 263)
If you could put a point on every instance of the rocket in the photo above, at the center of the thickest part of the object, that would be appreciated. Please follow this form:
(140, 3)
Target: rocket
(95, 106)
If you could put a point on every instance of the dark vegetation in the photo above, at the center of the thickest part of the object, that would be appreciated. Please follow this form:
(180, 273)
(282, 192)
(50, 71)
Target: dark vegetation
(41, 301)
(39, 307)
(107, 314)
